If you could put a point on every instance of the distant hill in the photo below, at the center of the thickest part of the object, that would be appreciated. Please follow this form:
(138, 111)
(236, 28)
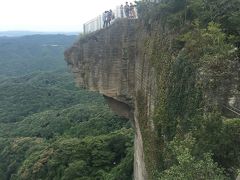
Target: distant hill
(27, 54)
(27, 33)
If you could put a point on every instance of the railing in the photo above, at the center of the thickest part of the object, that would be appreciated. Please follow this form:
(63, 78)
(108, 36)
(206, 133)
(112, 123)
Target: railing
(93, 25)
(97, 23)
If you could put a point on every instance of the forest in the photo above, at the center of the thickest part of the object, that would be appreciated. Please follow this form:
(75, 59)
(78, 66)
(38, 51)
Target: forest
(49, 128)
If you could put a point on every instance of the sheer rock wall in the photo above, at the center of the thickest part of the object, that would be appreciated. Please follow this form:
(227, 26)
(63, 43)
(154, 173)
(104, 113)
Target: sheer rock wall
(111, 62)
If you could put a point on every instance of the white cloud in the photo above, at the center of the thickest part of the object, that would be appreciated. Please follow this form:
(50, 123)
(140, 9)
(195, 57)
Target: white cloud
(50, 15)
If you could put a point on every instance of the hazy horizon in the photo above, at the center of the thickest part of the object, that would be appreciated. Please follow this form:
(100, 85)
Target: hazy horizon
(29, 31)
(17, 30)
(51, 15)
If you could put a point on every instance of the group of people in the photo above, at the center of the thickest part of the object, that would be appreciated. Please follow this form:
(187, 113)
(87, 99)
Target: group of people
(107, 17)
(129, 10)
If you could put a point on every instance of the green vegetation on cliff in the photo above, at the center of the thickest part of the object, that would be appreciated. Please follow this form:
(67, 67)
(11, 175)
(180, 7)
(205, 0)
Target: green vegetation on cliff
(195, 52)
(50, 129)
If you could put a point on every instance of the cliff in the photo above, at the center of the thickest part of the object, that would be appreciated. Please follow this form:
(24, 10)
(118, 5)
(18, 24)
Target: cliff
(166, 84)
(110, 62)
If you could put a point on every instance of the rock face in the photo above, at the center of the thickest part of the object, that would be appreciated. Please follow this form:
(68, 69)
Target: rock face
(111, 62)
(141, 79)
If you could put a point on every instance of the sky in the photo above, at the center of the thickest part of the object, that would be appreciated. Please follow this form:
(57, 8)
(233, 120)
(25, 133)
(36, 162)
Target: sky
(51, 15)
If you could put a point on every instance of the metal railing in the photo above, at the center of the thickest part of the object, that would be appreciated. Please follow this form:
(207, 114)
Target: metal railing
(93, 25)
(97, 22)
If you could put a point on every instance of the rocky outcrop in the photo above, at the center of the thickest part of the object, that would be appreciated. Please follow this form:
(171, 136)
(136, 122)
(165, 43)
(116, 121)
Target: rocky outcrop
(111, 62)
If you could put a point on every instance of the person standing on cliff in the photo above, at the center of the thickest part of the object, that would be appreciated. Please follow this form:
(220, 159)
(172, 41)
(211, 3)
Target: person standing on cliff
(121, 11)
(126, 9)
(109, 17)
(132, 11)
(104, 18)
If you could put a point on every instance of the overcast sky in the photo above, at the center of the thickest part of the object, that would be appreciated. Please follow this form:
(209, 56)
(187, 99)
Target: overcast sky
(50, 15)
